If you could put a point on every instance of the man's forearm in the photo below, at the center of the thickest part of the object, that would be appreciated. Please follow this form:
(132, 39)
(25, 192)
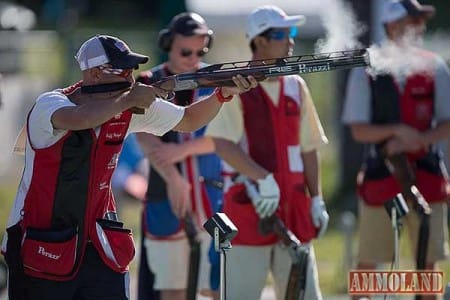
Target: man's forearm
(149, 143)
(441, 132)
(311, 171)
(199, 114)
(199, 146)
(90, 114)
(367, 133)
(238, 159)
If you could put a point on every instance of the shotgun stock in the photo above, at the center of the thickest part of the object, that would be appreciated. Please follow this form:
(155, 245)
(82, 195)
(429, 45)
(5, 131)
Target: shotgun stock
(194, 257)
(299, 254)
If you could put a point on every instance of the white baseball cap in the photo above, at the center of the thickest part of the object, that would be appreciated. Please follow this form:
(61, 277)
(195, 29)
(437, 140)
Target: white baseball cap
(269, 16)
(394, 10)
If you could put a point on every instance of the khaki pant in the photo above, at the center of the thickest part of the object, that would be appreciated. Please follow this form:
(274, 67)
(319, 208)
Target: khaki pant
(376, 235)
(248, 267)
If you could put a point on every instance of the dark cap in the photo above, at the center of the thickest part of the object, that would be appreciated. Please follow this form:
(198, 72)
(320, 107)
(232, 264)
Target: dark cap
(104, 49)
(188, 24)
(394, 10)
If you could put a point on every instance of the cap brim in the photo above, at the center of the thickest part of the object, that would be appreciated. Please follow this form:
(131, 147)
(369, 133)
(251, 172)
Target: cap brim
(289, 21)
(426, 11)
(130, 61)
(202, 31)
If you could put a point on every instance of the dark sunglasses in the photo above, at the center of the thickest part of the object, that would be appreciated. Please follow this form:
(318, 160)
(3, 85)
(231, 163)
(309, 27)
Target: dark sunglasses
(279, 35)
(188, 52)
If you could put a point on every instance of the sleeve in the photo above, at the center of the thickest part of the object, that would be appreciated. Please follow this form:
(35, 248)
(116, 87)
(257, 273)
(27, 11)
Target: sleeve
(442, 91)
(312, 135)
(42, 133)
(158, 119)
(229, 122)
(357, 101)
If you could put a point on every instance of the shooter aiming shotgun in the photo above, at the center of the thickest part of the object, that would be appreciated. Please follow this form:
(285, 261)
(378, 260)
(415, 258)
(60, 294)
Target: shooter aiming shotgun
(299, 253)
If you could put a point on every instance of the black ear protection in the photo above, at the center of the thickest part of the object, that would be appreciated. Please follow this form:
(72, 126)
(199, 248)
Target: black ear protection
(184, 24)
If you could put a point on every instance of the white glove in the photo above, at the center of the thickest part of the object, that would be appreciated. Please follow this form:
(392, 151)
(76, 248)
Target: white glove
(319, 214)
(269, 196)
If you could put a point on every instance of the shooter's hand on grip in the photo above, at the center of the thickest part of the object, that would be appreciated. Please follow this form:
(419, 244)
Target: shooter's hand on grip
(269, 196)
(319, 214)
(142, 96)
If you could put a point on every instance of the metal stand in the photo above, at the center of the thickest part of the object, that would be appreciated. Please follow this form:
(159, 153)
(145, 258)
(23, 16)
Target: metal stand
(396, 223)
(221, 247)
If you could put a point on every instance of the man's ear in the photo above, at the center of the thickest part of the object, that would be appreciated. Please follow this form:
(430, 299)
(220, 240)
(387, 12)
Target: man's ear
(94, 73)
(260, 42)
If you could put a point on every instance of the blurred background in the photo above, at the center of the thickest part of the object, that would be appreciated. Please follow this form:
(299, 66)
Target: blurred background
(39, 38)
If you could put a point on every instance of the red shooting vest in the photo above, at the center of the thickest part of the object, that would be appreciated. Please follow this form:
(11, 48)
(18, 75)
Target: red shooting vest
(269, 131)
(68, 200)
(416, 106)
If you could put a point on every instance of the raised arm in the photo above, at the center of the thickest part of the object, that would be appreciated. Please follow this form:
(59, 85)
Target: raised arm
(202, 112)
(90, 112)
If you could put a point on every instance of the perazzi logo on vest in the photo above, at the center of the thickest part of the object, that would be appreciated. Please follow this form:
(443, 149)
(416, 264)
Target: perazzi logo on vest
(42, 252)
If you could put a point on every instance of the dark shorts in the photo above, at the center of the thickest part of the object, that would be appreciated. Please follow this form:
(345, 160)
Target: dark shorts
(94, 281)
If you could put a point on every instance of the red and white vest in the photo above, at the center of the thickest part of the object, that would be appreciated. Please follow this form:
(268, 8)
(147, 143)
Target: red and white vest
(69, 203)
(272, 138)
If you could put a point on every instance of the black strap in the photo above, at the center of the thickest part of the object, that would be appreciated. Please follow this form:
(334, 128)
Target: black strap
(106, 87)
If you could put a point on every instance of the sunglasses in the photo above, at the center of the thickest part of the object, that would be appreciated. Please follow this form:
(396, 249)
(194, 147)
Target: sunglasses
(189, 52)
(119, 72)
(279, 35)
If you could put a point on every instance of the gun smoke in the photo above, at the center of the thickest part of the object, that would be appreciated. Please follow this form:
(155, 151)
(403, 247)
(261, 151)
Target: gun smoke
(341, 27)
(342, 30)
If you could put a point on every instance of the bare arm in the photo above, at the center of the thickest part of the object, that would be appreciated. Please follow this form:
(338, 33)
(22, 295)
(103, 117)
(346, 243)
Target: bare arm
(178, 188)
(89, 115)
(312, 173)
(92, 113)
(202, 112)
(441, 132)
(238, 159)
(367, 133)
(150, 145)
(171, 153)
(199, 114)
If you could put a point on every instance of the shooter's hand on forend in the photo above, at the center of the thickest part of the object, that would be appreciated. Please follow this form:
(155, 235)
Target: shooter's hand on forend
(242, 85)
(269, 196)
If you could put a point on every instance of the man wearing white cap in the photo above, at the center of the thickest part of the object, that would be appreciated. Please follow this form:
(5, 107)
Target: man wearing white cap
(400, 108)
(64, 239)
(271, 135)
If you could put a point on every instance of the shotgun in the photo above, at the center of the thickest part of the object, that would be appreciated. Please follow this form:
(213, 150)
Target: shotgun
(299, 253)
(194, 257)
(221, 74)
(401, 169)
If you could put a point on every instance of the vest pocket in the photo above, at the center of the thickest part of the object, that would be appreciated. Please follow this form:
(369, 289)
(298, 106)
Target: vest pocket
(115, 244)
(49, 251)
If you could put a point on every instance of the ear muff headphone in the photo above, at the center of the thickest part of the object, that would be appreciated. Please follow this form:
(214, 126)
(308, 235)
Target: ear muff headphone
(166, 35)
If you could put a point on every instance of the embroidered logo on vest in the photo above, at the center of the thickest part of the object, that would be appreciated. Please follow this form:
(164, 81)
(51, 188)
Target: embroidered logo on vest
(42, 252)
